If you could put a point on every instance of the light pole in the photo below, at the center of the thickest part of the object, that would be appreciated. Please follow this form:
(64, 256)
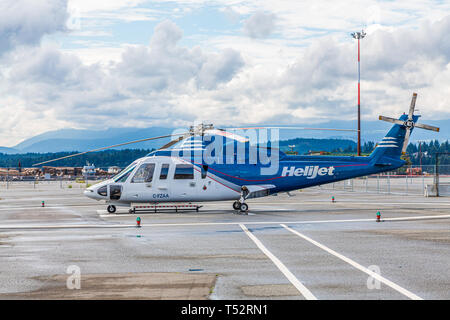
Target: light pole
(358, 36)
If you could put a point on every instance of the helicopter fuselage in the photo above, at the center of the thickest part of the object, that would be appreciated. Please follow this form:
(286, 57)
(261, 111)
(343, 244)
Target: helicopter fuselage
(156, 179)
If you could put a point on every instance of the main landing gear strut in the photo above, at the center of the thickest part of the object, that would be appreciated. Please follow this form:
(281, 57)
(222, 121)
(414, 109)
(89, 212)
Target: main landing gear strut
(240, 205)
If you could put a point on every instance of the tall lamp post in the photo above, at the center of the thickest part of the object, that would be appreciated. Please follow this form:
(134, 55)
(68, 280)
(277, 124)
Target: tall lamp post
(359, 36)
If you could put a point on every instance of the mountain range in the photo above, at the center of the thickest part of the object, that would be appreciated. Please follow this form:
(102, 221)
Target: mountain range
(82, 140)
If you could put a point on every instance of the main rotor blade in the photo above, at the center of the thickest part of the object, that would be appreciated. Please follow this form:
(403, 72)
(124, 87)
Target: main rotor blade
(405, 143)
(426, 127)
(412, 106)
(171, 143)
(227, 134)
(293, 128)
(108, 147)
(392, 120)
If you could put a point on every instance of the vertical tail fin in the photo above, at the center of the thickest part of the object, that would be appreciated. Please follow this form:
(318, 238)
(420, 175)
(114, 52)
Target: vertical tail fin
(392, 144)
(396, 141)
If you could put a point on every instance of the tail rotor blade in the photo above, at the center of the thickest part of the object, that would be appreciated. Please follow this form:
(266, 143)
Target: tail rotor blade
(392, 120)
(108, 147)
(412, 106)
(405, 143)
(426, 127)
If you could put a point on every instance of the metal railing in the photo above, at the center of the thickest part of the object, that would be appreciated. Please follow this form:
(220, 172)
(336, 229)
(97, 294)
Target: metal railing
(407, 180)
(411, 180)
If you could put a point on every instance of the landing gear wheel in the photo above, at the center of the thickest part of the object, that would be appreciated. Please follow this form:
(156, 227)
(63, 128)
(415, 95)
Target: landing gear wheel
(236, 205)
(244, 207)
(111, 209)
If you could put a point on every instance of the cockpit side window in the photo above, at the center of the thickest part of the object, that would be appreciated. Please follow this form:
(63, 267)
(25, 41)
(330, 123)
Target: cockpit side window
(184, 171)
(124, 173)
(144, 173)
(103, 191)
(125, 176)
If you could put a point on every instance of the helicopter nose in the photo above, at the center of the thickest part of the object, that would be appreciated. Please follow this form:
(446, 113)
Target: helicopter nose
(90, 193)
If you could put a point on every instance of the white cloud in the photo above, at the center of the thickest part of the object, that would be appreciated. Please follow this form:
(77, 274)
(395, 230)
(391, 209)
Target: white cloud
(142, 89)
(227, 79)
(25, 22)
(259, 25)
(164, 64)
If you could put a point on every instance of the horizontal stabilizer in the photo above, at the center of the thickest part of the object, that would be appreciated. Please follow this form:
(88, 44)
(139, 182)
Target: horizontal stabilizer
(258, 190)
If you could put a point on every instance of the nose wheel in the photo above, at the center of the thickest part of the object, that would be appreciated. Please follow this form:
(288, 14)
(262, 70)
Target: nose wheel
(111, 209)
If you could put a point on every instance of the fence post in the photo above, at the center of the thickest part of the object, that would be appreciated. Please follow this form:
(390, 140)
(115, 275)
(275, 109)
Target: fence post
(423, 182)
(436, 172)
(389, 182)
(406, 176)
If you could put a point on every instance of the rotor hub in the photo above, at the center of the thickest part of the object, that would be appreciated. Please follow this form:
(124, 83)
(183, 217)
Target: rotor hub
(200, 129)
(409, 124)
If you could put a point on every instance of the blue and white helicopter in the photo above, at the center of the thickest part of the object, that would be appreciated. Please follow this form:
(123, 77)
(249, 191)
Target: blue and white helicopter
(207, 164)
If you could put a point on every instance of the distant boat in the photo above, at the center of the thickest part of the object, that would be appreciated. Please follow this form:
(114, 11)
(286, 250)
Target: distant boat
(88, 171)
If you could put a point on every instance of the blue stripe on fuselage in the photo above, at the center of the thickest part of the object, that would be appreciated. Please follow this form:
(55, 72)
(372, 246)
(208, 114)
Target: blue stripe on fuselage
(302, 171)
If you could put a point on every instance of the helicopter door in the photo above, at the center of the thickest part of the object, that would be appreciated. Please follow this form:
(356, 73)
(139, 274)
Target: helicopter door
(141, 185)
(184, 184)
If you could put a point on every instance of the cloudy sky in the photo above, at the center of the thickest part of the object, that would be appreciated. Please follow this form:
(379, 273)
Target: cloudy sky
(122, 63)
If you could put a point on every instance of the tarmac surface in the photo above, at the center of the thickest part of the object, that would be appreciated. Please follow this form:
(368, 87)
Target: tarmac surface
(288, 247)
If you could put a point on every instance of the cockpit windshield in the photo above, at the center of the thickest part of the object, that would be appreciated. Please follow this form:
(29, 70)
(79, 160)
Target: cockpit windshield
(122, 175)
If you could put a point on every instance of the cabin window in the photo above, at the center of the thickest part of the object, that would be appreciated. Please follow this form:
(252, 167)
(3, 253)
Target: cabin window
(144, 173)
(184, 171)
(103, 191)
(164, 171)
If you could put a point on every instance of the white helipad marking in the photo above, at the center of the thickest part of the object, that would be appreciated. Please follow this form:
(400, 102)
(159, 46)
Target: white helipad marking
(279, 222)
(66, 226)
(38, 207)
(289, 275)
(374, 275)
(343, 201)
(74, 226)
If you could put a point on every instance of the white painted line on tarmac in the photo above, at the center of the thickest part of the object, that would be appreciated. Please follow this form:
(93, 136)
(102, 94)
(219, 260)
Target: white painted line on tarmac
(38, 207)
(374, 275)
(321, 202)
(288, 274)
(279, 222)
(65, 226)
(186, 224)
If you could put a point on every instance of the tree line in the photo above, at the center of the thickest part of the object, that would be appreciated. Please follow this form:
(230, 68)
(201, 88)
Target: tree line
(107, 158)
(418, 153)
